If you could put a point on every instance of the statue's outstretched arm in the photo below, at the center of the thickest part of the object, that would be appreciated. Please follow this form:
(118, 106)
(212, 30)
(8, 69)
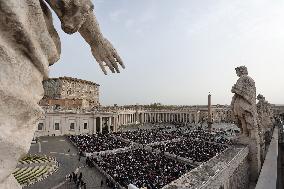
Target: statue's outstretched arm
(77, 15)
(101, 48)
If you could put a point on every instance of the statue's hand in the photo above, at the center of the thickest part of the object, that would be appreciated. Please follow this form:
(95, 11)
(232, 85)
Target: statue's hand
(106, 55)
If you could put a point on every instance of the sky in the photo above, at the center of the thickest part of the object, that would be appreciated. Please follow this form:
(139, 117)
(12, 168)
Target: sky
(176, 51)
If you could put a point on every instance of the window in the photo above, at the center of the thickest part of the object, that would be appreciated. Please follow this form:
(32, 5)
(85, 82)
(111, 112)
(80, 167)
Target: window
(40, 126)
(72, 126)
(56, 126)
(69, 91)
(85, 125)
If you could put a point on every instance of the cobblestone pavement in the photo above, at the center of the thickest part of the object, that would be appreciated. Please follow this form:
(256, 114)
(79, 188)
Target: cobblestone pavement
(66, 155)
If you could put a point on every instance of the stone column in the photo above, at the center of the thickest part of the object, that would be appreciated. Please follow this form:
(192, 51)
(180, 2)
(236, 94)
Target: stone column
(114, 123)
(94, 125)
(109, 123)
(101, 124)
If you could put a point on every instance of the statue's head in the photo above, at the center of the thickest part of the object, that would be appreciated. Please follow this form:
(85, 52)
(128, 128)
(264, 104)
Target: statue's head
(241, 70)
(74, 13)
(260, 97)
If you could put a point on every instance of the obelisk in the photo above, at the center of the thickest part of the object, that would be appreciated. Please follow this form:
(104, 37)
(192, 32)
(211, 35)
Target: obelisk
(209, 121)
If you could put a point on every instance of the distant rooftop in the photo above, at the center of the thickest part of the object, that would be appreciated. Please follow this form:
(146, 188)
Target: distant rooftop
(73, 79)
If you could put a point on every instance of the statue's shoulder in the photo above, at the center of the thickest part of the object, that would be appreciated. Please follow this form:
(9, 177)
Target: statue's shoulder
(246, 81)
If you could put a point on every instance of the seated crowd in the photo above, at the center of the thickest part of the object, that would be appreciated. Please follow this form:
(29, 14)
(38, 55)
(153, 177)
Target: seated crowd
(141, 168)
(146, 136)
(197, 150)
(187, 133)
(206, 136)
(150, 169)
(97, 143)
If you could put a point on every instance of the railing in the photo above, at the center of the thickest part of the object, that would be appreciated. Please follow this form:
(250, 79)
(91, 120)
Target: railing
(268, 175)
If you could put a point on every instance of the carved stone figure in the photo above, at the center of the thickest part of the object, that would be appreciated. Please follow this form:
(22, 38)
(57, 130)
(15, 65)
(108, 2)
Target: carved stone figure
(265, 113)
(244, 109)
(265, 118)
(243, 102)
(29, 43)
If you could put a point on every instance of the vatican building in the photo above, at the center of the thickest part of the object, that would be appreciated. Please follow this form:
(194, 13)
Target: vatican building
(72, 107)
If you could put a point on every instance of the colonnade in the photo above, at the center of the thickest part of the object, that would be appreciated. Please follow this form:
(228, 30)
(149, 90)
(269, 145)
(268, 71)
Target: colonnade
(167, 117)
(60, 123)
(114, 121)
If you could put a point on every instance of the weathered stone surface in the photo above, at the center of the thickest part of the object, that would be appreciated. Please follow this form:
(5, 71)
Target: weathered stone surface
(265, 122)
(265, 114)
(70, 92)
(226, 170)
(244, 108)
(28, 45)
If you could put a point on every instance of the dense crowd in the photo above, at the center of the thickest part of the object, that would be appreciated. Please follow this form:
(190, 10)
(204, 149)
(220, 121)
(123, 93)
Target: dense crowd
(97, 143)
(146, 136)
(150, 169)
(142, 168)
(196, 150)
(218, 137)
(206, 136)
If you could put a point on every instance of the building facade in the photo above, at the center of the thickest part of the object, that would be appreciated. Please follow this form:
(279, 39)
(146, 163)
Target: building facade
(79, 121)
(68, 93)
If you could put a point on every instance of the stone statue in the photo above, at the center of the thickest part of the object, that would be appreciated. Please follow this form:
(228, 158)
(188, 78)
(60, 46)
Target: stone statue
(265, 113)
(29, 43)
(244, 109)
(265, 118)
(244, 102)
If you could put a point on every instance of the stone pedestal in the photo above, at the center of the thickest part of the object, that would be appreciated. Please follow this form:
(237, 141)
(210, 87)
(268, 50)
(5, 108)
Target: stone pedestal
(254, 157)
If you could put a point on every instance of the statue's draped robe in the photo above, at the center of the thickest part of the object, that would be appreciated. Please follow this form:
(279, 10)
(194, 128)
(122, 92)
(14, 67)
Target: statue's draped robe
(27, 30)
(244, 104)
(28, 45)
(265, 115)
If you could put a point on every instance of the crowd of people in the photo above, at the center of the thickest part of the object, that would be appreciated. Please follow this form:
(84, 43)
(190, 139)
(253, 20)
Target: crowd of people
(187, 133)
(196, 150)
(97, 143)
(206, 136)
(141, 168)
(77, 179)
(146, 136)
(151, 169)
